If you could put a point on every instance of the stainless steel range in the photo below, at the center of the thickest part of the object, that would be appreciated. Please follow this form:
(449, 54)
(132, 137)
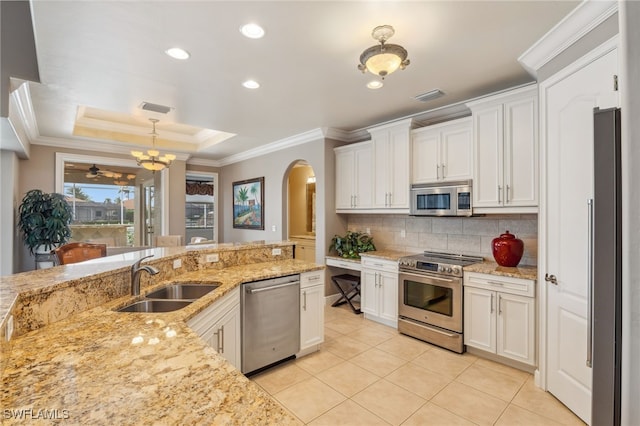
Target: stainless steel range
(430, 303)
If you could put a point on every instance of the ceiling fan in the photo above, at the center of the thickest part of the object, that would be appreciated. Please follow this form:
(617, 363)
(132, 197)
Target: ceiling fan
(95, 172)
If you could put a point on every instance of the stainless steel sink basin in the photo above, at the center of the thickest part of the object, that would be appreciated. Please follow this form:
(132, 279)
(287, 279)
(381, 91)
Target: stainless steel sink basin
(182, 291)
(151, 305)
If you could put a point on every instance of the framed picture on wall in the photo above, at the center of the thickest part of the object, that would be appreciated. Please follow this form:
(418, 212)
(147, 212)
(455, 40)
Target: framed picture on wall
(248, 204)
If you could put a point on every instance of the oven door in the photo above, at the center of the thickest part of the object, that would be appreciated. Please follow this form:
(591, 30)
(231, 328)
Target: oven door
(431, 299)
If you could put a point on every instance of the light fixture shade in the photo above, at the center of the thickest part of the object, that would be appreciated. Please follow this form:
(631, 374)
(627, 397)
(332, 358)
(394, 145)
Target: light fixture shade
(152, 160)
(384, 58)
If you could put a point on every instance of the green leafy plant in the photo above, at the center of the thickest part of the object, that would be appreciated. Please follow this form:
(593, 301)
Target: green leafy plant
(352, 244)
(44, 220)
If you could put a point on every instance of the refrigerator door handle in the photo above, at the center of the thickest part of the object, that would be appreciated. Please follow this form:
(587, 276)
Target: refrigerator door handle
(590, 283)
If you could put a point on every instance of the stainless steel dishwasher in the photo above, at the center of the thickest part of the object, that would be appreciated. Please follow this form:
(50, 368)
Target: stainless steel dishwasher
(270, 321)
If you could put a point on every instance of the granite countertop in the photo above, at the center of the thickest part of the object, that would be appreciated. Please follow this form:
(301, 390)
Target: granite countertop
(488, 267)
(393, 255)
(106, 367)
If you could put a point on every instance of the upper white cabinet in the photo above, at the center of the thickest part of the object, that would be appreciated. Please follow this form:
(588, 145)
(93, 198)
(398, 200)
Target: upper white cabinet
(505, 143)
(391, 151)
(443, 152)
(354, 176)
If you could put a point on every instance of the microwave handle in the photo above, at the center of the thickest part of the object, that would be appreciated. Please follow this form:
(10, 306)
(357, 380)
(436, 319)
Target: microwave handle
(437, 171)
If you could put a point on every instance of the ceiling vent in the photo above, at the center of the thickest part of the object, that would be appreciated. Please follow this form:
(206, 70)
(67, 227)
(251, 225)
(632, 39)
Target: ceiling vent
(430, 95)
(148, 106)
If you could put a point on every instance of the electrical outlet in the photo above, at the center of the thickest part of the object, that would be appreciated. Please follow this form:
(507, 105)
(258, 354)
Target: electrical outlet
(273, 228)
(403, 233)
(276, 252)
(368, 230)
(9, 329)
(177, 263)
(214, 257)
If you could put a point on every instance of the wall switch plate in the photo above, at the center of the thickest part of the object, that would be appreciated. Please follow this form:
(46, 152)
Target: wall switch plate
(273, 228)
(177, 263)
(276, 252)
(403, 234)
(9, 330)
(214, 257)
(368, 231)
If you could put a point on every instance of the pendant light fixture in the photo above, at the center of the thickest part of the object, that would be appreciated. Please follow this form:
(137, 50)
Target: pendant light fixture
(385, 58)
(152, 160)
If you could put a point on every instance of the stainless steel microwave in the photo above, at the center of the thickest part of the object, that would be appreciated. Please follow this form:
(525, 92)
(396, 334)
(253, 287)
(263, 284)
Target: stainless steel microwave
(441, 199)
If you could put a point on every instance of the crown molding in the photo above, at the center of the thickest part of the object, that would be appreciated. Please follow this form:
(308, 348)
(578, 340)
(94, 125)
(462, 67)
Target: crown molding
(580, 21)
(206, 162)
(299, 139)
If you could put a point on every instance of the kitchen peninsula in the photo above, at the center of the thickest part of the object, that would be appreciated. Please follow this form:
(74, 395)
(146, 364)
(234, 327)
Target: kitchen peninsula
(85, 363)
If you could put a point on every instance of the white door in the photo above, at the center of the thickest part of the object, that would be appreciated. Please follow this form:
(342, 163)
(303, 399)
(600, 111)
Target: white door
(480, 318)
(363, 178)
(515, 327)
(388, 293)
(345, 161)
(311, 316)
(228, 329)
(426, 155)
(569, 104)
(369, 292)
(399, 171)
(521, 153)
(488, 136)
(457, 152)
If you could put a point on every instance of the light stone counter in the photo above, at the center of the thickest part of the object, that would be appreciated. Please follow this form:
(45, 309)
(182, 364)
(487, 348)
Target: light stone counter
(105, 367)
(492, 268)
(393, 255)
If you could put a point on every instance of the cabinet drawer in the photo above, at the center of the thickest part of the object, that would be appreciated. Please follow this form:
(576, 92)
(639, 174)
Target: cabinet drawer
(308, 279)
(499, 283)
(379, 264)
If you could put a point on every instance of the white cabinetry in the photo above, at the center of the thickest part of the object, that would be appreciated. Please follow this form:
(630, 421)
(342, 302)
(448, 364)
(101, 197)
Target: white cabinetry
(442, 152)
(391, 166)
(499, 316)
(219, 326)
(354, 177)
(311, 311)
(505, 172)
(379, 290)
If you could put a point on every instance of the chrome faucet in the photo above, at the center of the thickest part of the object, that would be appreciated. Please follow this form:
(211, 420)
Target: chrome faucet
(136, 269)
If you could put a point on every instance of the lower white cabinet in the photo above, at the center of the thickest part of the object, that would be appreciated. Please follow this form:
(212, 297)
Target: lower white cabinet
(499, 316)
(311, 311)
(379, 290)
(219, 326)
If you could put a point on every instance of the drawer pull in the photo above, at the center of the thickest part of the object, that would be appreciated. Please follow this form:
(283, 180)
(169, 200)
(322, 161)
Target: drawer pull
(495, 283)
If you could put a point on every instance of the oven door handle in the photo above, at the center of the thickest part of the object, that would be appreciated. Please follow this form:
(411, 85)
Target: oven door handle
(428, 277)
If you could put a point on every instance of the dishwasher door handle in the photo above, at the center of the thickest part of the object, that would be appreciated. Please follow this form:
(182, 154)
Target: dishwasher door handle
(273, 287)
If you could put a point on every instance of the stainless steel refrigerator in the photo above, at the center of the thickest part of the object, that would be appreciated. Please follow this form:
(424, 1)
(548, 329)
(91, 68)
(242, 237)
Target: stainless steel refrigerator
(606, 269)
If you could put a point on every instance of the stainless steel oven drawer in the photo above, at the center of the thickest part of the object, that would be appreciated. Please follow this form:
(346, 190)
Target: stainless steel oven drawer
(435, 335)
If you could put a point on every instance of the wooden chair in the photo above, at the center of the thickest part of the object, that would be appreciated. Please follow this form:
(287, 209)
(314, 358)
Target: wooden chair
(77, 252)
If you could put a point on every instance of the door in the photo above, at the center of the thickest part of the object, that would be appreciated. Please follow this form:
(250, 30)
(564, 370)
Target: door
(369, 292)
(311, 316)
(515, 328)
(521, 153)
(488, 167)
(426, 155)
(456, 152)
(398, 173)
(363, 194)
(569, 105)
(479, 319)
(388, 293)
(228, 329)
(345, 161)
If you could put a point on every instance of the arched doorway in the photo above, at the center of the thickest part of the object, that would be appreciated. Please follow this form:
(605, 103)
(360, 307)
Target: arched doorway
(301, 209)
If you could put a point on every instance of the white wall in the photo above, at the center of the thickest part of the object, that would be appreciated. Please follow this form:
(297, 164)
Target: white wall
(630, 53)
(9, 201)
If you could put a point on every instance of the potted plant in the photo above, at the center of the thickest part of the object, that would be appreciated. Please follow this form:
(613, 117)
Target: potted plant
(352, 244)
(44, 221)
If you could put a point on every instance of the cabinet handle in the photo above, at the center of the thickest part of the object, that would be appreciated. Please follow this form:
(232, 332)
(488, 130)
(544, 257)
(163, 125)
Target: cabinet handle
(355, 201)
(304, 303)
(499, 192)
(499, 305)
(443, 173)
(507, 195)
(437, 171)
(314, 278)
(221, 339)
(491, 304)
(495, 283)
(390, 194)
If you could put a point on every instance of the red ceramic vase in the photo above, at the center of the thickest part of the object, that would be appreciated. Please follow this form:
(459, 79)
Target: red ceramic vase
(507, 249)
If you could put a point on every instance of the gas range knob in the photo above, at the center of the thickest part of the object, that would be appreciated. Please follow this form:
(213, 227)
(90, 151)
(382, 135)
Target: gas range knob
(448, 269)
(457, 270)
(440, 268)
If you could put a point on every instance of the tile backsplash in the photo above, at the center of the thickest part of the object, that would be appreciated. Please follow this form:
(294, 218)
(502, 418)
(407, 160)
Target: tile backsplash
(460, 235)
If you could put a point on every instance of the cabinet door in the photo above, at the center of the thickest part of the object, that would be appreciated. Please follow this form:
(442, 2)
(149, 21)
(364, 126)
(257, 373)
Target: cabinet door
(228, 329)
(345, 161)
(480, 319)
(488, 168)
(399, 171)
(363, 178)
(369, 291)
(456, 152)
(388, 296)
(382, 167)
(311, 316)
(516, 327)
(426, 156)
(521, 153)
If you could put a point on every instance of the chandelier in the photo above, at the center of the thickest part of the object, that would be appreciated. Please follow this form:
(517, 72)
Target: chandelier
(152, 160)
(385, 58)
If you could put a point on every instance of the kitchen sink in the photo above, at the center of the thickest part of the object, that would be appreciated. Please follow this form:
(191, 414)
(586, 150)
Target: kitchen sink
(151, 305)
(182, 291)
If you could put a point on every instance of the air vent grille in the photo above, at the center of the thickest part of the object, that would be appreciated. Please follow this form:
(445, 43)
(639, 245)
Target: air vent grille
(430, 95)
(148, 106)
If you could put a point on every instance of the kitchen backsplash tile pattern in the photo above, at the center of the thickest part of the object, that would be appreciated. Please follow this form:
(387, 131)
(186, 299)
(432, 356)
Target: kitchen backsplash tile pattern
(458, 235)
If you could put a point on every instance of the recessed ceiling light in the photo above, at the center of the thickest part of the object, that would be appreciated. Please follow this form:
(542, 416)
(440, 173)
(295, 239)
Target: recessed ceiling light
(375, 84)
(251, 84)
(177, 53)
(252, 31)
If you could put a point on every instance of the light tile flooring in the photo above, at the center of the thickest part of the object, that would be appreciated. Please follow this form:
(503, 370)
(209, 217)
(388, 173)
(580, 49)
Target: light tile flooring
(368, 374)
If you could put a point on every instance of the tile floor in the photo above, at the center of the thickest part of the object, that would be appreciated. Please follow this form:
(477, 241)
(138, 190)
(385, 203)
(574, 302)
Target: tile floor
(368, 374)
